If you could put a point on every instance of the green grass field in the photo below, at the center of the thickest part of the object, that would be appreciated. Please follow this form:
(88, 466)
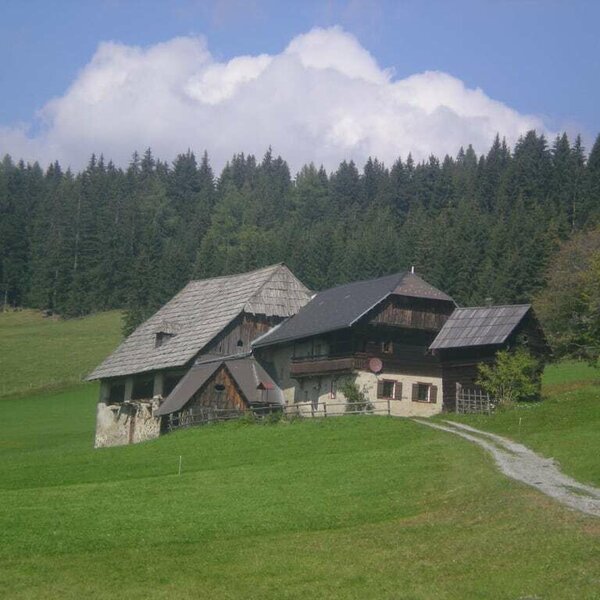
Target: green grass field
(565, 425)
(46, 353)
(353, 507)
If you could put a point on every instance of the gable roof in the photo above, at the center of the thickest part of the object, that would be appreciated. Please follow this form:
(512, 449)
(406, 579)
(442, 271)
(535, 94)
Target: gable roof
(344, 305)
(198, 313)
(247, 373)
(479, 326)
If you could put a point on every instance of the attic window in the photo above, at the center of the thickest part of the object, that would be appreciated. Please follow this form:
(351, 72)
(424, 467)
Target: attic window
(240, 343)
(387, 347)
(161, 338)
(219, 387)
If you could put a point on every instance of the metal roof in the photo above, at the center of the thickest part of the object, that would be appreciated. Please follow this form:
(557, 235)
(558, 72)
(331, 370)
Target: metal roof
(198, 313)
(344, 305)
(247, 373)
(479, 326)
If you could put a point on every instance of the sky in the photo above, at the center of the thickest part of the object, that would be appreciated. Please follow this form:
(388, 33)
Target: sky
(318, 81)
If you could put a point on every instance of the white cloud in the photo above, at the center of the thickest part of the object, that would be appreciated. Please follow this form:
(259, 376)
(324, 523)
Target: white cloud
(323, 99)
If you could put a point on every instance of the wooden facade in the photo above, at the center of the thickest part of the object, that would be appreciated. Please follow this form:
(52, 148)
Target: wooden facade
(220, 391)
(412, 313)
(461, 365)
(238, 335)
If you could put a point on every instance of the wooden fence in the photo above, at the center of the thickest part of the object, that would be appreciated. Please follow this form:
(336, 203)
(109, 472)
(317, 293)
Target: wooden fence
(473, 400)
(205, 416)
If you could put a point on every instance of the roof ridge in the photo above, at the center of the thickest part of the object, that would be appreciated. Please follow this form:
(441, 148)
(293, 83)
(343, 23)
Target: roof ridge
(273, 266)
(262, 285)
(493, 306)
(401, 275)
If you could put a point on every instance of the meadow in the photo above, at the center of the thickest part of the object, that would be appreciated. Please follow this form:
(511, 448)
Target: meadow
(353, 507)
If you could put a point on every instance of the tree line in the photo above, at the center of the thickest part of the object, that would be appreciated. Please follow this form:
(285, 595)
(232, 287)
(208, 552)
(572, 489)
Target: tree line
(481, 228)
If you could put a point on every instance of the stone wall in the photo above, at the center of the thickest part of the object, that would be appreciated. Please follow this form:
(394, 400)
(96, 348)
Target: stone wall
(127, 422)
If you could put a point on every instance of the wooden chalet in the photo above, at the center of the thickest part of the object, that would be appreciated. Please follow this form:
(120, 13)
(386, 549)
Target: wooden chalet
(403, 342)
(206, 321)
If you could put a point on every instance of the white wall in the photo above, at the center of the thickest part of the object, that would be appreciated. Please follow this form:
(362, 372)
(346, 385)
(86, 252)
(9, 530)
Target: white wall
(317, 399)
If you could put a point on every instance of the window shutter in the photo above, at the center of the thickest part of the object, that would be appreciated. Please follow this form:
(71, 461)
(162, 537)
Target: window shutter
(433, 394)
(415, 392)
(380, 389)
(398, 391)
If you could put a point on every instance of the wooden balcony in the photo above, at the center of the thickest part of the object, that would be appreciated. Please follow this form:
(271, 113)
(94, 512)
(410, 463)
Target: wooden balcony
(320, 365)
(359, 361)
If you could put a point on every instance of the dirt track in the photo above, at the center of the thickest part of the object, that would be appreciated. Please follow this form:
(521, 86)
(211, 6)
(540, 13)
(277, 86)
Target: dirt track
(521, 463)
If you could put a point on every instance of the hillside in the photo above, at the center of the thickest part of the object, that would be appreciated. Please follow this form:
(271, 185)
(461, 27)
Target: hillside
(42, 353)
(352, 507)
(345, 508)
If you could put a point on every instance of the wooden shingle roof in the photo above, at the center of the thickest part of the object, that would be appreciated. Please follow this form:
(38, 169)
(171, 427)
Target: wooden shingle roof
(480, 326)
(198, 313)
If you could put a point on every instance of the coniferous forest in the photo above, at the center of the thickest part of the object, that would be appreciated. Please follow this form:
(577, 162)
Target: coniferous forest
(479, 227)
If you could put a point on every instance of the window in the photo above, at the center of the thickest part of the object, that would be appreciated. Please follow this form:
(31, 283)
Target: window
(333, 389)
(143, 388)
(240, 344)
(387, 347)
(317, 350)
(424, 392)
(389, 389)
(117, 393)
(161, 338)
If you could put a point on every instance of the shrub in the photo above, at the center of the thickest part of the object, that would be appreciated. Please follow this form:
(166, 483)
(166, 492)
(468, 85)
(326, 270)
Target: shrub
(514, 377)
(356, 398)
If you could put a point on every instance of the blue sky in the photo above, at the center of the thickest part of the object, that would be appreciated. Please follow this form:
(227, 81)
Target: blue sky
(539, 58)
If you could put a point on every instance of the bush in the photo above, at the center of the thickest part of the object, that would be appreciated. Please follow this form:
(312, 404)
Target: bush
(356, 398)
(514, 377)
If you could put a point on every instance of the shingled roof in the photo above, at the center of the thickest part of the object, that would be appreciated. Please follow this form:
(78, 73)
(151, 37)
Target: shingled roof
(344, 305)
(248, 374)
(198, 313)
(479, 326)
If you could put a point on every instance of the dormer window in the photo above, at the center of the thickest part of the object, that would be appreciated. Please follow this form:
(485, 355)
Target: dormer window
(161, 338)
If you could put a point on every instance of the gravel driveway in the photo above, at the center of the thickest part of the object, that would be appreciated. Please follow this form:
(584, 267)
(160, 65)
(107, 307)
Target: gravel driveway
(521, 463)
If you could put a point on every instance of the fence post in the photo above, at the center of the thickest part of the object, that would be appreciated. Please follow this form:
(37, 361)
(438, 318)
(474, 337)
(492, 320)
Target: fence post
(388, 406)
(312, 410)
(325, 409)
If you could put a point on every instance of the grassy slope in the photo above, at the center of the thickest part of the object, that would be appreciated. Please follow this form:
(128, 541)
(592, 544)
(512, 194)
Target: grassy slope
(565, 425)
(38, 353)
(345, 508)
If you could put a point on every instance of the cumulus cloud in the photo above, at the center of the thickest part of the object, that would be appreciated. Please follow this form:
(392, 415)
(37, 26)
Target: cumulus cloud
(322, 99)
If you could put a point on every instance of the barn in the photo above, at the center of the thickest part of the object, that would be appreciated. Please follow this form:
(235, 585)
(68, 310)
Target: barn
(207, 320)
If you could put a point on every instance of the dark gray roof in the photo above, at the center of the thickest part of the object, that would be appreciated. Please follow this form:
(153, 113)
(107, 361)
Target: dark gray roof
(198, 313)
(248, 374)
(342, 306)
(479, 326)
(189, 384)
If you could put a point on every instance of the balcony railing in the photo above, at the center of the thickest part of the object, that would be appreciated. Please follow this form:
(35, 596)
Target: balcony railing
(317, 365)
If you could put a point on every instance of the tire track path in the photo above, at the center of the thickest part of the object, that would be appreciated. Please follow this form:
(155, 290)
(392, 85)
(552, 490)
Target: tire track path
(520, 463)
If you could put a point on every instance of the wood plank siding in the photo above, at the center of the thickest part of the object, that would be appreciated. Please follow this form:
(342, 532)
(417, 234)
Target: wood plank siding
(238, 335)
(412, 313)
(220, 391)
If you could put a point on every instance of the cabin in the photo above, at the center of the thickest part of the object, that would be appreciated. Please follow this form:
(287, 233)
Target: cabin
(405, 344)
(209, 322)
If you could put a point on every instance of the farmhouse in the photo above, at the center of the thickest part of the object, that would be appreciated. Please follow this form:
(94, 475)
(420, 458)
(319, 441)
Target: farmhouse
(404, 343)
(205, 322)
(258, 340)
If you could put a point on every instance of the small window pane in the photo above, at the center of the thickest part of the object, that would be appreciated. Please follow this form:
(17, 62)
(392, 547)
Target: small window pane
(423, 392)
(388, 389)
